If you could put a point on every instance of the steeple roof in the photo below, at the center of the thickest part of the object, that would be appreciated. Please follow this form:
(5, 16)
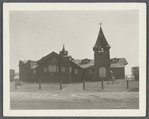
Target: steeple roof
(101, 41)
(63, 52)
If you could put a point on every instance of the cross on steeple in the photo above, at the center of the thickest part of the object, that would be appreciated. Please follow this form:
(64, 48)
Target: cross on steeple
(101, 43)
(63, 50)
(100, 24)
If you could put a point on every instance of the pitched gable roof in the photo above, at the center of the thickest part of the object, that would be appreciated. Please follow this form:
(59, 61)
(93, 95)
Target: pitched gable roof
(118, 62)
(34, 66)
(50, 55)
(84, 65)
(117, 65)
(121, 62)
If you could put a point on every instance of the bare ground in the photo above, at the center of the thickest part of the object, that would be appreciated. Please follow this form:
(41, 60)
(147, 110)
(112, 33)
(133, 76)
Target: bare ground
(113, 96)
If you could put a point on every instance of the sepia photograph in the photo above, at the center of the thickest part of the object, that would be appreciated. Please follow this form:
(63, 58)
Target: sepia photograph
(74, 59)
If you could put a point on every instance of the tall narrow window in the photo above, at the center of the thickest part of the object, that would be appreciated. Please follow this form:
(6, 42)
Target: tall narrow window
(70, 69)
(76, 71)
(52, 68)
(57, 69)
(90, 71)
(34, 71)
(62, 69)
(45, 69)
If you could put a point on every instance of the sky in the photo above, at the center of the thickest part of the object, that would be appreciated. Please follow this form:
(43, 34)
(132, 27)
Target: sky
(35, 34)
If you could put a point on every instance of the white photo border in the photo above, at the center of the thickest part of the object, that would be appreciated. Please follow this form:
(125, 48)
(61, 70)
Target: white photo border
(7, 7)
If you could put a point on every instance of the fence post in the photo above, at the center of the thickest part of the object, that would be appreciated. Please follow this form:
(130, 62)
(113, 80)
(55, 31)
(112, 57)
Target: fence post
(102, 84)
(60, 85)
(39, 85)
(83, 84)
(15, 85)
(127, 84)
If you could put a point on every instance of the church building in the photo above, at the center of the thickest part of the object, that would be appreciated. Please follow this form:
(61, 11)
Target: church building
(62, 67)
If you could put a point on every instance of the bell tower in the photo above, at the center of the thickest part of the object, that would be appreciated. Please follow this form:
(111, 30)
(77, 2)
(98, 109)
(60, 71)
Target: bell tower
(101, 58)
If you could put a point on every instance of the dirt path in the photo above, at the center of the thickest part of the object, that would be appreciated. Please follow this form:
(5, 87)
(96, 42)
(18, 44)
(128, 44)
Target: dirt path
(72, 96)
(46, 100)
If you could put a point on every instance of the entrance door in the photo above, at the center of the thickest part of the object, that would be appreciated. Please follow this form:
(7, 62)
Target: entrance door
(102, 72)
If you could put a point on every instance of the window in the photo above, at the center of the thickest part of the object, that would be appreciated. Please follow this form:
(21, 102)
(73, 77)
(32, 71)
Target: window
(90, 71)
(34, 71)
(76, 71)
(57, 69)
(62, 69)
(45, 69)
(39, 71)
(70, 69)
(52, 68)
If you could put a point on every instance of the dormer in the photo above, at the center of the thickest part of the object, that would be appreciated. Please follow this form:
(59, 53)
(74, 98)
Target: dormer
(85, 61)
(114, 60)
